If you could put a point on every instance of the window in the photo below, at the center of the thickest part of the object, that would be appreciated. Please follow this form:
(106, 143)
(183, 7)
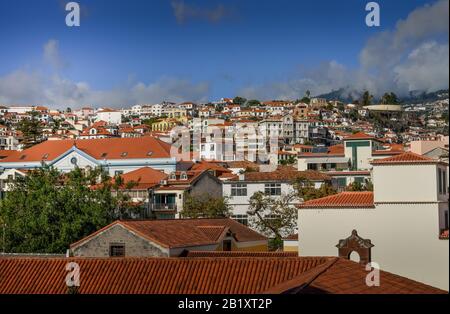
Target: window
(272, 189)
(173, 176)
(226, 245)
(117, 250)
(124, 154)
(342, 182)
(446, 219)
(118, 172)
(444, 183)
(440, 181)
(183, 176)
(359, 180)
(239, 189)
(243, 219)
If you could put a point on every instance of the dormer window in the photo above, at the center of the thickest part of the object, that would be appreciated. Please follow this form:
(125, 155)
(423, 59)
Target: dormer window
(173, 176)
(23, 157)
(150, 153)
(124, 154)
(103, 155)
(45, 156)
(183, 176)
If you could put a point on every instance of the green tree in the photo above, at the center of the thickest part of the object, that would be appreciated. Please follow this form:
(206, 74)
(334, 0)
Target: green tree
(46, 211)
(239, 100)
(366, 99)
(358, 186)
(390, 99)
(276, 217)
(31, 130)
(289, 161)
(205, 206)
(305, 189)
(254, 102)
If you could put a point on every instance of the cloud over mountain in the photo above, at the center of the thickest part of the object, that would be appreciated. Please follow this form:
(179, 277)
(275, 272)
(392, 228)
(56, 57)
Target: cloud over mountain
(412, 56)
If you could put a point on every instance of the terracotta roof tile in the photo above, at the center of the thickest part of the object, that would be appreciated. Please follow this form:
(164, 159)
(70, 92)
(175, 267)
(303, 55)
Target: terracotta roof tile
(359, 136)
(342, 200)
(240, 254)
(108, 148)
(144, 177)
(174, 233)
(232, 275)
(341, 276)
(405, 158)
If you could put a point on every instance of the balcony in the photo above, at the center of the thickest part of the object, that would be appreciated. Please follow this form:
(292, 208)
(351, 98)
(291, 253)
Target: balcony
(164, 207)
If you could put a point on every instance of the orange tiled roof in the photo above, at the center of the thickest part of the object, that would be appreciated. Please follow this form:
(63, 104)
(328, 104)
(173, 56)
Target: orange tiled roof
(342, 276)
(240, 254)
(342, 200)
(144, 178)
(359, 136)
(175, 233)
(205, 165)
(233, 275)
(109, 148)
(6, 153)
(405, 158)
(335, 150)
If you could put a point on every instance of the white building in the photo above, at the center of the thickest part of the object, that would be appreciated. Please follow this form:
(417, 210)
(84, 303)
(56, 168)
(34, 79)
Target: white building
(402, 225)
(277, 183)
(116, 155)
(109, 115)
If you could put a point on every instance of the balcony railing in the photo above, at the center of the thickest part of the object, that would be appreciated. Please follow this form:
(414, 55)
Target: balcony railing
(164, 207)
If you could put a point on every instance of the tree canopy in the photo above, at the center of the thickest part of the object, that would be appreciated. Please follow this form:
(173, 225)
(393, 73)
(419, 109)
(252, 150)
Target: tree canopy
(46, 211)
(205, 206)
(31, 130)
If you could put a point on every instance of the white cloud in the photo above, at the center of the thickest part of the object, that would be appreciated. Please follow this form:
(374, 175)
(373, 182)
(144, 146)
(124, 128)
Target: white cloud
(33, 87)
(404, 59)
(426, 68)
(52, 55)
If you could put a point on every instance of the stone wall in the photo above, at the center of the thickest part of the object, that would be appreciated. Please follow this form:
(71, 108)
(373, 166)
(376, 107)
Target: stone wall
(98, 246)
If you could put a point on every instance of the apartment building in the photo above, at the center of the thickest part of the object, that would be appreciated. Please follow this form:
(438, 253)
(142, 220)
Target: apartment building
(240, 189)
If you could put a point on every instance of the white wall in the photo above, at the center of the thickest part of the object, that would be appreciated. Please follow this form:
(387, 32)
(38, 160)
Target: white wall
(406, 238)
(112, 117)
(415, 182)
(240, 203)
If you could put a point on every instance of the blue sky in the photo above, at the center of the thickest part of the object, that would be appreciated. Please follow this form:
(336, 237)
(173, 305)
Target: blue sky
(133, 51)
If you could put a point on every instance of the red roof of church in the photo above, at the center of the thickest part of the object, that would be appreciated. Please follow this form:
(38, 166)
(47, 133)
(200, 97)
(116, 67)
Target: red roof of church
(107, 148)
